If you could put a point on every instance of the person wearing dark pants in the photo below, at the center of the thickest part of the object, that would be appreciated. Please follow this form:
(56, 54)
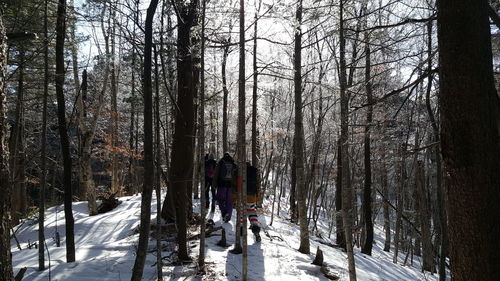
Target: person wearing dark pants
(225, 182)
(210, 166)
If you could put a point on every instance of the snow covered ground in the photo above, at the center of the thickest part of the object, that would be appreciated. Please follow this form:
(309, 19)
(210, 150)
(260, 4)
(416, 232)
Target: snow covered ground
(106, 243)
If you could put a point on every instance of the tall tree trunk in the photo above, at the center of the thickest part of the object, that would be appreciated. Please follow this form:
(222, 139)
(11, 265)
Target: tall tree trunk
(87, 126)
(5, 187)
(344, 141)
(299, 135)
(470, 142)
(115, 182)
(181, 167)
(63, 131)
(157, 173)
(225, 91)
(147, 188)
(132, 170)
(73, 46)
(193, 187)
(255, 133)
(367, 190)
(201, 257)
(242, 171)
(168, 207)
(43, 142)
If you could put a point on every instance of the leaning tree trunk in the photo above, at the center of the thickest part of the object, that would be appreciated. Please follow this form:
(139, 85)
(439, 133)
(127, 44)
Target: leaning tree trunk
(255, 132)
(147, 189)
(63, 131)
(299, 136)
(470, 143)
(5, 188)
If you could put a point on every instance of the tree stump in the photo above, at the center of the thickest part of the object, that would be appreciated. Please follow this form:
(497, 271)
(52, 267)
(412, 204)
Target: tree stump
(319, 257)
(222, 242)
(20, 274)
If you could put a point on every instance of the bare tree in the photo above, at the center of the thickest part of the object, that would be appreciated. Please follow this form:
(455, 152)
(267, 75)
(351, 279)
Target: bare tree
(63, 131)
(147, 188)
(299, 135)
(344, 144)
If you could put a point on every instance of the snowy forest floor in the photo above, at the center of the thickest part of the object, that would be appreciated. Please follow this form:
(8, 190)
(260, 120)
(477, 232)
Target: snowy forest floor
(106, 245)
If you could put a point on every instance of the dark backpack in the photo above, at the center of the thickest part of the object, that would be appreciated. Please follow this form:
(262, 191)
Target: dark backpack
(226, 171)
(210, 168)
(251, 180)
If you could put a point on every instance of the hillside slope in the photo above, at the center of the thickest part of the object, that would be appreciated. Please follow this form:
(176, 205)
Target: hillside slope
(105, 250)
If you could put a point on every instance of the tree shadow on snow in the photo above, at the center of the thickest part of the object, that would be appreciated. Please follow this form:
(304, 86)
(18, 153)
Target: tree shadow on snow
(256, 266)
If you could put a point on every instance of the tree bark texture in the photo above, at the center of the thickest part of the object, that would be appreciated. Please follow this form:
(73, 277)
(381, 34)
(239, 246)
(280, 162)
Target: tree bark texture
(181, 168)
(5, 187)
(470, 142)
(299, 136)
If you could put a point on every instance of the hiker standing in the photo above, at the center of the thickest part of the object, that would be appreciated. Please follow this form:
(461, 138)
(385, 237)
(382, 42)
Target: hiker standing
(210, 165)
(252, 198)
(225, 182)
